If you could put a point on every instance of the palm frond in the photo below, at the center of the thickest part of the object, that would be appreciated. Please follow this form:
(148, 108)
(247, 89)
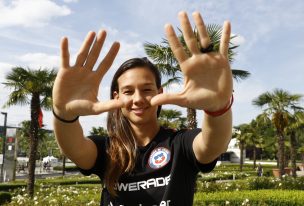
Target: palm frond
(240, 74)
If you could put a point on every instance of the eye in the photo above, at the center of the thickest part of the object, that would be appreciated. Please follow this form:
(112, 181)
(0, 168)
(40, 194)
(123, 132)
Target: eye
(127, 92)
(148, 90)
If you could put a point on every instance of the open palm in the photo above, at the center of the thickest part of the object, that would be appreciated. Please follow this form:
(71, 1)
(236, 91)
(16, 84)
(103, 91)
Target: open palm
(76, 87)
(207, 76)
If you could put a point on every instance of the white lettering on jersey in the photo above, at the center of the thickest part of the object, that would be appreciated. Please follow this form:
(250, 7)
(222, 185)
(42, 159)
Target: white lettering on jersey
(143, 185)
(162, 203)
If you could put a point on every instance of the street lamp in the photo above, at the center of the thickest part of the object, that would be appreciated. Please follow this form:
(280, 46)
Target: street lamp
(3, 144)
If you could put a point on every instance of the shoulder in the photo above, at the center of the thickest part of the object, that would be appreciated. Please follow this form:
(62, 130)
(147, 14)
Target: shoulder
(183, 132)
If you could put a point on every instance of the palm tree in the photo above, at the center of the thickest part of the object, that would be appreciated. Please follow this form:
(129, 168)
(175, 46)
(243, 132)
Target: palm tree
(296, 123)
(278, 104)
(99, 131)
(172, 118)
(163, 57)
(34, 88)
(243, 133)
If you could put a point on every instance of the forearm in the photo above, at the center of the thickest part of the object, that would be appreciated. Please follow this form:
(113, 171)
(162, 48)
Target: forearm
(73, 144)
(216, 132)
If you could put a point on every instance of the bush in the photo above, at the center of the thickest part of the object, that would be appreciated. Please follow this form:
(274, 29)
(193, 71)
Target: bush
(67, 168)
(5, 197)
(214, 176)
(258, 183)
(254, 197)
(252, 183)
(11, 186)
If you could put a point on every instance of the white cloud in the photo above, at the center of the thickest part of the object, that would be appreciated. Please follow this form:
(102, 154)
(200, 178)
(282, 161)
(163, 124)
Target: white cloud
(5, 68)
(30, 13)
(238, 40)
(39, 60)
(70, 1)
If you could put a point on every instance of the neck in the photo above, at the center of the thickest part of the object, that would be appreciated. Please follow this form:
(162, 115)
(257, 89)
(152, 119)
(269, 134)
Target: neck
(145, 133)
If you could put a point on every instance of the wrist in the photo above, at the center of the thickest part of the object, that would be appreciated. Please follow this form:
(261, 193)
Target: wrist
(64, 116)
(221, 111)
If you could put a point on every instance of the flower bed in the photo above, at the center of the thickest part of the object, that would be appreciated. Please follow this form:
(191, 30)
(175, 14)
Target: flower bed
(252, 197)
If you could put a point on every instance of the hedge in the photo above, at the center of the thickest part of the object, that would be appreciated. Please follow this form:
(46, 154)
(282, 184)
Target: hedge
(5, 197)
(252, 197)
(252, 183)
(11, 186)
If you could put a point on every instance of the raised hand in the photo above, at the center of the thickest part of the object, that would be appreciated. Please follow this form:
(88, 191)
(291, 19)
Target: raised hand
(207, 76)
(76, 87)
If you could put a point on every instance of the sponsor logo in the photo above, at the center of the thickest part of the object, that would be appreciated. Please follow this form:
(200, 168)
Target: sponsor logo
(143, 185)
(159, 157)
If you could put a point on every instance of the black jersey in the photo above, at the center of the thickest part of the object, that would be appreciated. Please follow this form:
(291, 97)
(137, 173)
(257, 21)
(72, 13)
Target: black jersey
(164, 174)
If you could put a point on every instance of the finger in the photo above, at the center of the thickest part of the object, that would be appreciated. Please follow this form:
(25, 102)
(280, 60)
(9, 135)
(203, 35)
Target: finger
(95, 51)
(188, 34)
(85, 48)
(166, 98)
(106, 63)
(100, 107)
(175, 44)
(224, 45)
(64, 53)
(202, 31)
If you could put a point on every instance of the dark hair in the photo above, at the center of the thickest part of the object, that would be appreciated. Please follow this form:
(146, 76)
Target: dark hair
(121, 153)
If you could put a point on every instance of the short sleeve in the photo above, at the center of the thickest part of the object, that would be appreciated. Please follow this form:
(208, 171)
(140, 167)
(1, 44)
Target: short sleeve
(187, 138)
(100, 163)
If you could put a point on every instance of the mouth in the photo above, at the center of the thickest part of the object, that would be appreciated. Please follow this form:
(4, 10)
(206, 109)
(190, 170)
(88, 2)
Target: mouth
(138, 111)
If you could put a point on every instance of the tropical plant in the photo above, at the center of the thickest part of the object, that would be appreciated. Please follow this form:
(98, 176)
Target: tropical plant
(242, 133)
(296, 122)
(277, 106)
(99, 131)
(264, 132)
(172, 118)
(163, 57)
(34, 88)
(46, 141)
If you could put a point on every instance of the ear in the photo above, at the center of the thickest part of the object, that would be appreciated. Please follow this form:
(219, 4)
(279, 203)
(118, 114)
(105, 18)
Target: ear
(115, 95)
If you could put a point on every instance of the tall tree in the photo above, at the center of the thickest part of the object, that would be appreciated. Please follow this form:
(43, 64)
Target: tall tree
(46, 140)
(296, 122)
(99, 131)
(277, 106)
(243, 133)
(34, 88)
(172, 118)
(163, 57)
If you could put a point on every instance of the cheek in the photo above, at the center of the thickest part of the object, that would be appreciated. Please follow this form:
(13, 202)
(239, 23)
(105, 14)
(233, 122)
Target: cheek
(127, 100)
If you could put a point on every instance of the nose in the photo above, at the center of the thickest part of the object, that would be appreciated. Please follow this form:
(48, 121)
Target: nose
(138, 98)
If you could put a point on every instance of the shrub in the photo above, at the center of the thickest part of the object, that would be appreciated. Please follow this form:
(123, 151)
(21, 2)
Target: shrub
(67, 168)
(5, 197)
(254, 197)
(11, 186)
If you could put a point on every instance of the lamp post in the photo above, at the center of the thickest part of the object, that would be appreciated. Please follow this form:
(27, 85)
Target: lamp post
(3, 144)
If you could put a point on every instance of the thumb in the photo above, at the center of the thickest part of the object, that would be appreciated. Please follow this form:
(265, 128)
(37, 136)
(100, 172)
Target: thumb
(166, 98)
(100, 107)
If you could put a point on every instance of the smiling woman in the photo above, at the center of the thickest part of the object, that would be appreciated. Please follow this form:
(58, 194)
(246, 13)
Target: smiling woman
(139, 162)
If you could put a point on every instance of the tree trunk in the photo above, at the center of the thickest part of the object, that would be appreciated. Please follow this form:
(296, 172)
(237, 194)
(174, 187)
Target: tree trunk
(35, 104)
(293, 153)
(254, 157)
(241, 155)
(281, 151)
(63, 165)
(191, 118)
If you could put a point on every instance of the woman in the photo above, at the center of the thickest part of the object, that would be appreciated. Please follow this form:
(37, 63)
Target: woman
(141, 163)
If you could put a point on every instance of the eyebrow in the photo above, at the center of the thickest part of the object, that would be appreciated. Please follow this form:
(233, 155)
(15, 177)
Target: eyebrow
(129, 86)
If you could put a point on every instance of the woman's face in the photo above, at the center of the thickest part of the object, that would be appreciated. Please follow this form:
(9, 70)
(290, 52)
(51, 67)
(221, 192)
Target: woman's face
(136, 87)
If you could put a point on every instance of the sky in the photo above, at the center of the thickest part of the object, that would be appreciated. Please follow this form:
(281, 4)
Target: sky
(269, 35)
